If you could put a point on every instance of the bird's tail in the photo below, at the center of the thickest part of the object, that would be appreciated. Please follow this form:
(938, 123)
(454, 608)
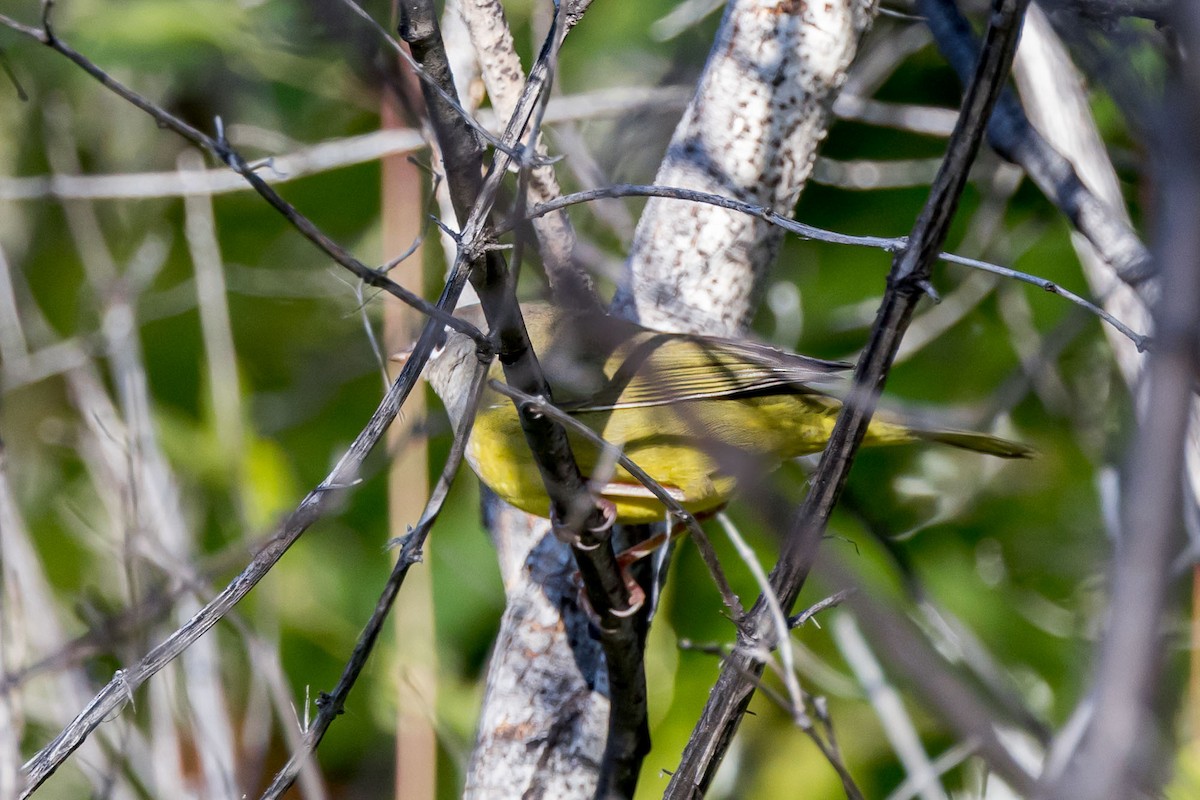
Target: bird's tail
(978, 442)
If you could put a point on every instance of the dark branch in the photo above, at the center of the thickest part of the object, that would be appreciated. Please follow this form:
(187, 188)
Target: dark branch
(906, 284)
(580, 519)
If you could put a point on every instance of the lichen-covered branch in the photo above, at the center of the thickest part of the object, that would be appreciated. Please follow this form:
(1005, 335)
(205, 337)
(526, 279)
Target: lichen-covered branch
(750, 133)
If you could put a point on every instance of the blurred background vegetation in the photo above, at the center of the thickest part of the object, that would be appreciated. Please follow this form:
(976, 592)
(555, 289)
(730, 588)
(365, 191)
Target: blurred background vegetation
(1015, 552)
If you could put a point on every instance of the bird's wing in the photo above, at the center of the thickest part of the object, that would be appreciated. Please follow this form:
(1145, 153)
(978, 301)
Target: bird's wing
(658, 369)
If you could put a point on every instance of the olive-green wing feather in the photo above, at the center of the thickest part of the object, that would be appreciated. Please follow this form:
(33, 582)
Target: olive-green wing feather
(658, 369)
(594, 362)
(977, 442)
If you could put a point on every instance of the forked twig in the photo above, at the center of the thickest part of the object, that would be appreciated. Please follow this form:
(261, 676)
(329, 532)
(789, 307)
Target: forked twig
(330, 705)
(805, 231)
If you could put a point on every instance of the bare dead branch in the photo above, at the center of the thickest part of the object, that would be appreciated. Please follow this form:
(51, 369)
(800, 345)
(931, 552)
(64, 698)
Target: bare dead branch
(1011, 135)
(803, 230)
(220, 149)
(330, 705)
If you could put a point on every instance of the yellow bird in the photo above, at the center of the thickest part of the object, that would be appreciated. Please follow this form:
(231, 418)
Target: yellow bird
(680, 406)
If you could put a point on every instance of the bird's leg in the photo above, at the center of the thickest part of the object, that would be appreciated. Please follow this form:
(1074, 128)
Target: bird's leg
(637, 596)
(637, 552)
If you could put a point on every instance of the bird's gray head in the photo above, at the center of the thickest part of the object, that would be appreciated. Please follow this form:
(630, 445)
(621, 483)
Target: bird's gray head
(452, 363)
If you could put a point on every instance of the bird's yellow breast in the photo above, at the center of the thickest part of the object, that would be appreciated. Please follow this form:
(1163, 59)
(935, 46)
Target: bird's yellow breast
(687, 447)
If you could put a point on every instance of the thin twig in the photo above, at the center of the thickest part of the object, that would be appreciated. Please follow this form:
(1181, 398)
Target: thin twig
(805, 231)
(782, 629)
(330, 705)
(220, 148)
(833, 601)
(120, 689)
(831, 751)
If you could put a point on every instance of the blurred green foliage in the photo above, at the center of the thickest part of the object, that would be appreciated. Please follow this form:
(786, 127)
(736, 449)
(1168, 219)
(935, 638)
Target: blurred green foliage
(1015, 552)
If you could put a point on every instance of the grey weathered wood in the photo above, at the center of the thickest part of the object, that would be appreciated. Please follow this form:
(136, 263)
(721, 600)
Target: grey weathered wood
(751, 132)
